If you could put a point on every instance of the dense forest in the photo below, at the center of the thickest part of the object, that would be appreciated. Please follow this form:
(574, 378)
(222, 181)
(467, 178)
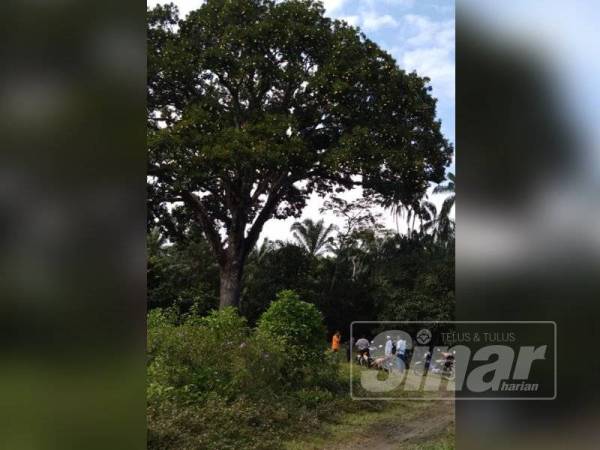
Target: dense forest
(360, 271)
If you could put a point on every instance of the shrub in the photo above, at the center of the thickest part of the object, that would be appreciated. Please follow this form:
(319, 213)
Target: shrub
(196, 356)
(261, 369)
(298, 325)
(224, 325)
(213, 383)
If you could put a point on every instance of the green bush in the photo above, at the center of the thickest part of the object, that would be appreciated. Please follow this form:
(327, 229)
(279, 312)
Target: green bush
(225, 325)
(298, 325)
(188, 359)
(215, 383)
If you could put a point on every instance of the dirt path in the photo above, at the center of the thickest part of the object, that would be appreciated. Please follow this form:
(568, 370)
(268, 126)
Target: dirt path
(396, 432)
(404, 425)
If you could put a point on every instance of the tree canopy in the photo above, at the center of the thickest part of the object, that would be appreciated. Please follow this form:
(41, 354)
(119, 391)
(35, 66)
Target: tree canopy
(254, 105)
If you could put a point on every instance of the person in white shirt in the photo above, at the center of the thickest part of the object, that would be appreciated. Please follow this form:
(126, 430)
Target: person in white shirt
(401, 353)
(388, 346)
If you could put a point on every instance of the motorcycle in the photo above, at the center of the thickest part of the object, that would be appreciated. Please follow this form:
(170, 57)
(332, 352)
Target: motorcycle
(444, 366)
(364, 359)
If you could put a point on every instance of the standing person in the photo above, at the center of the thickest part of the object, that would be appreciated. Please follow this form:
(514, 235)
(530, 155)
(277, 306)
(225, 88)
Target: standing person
(389, 345)
(401, 352)
(335, 341)
(363, 347)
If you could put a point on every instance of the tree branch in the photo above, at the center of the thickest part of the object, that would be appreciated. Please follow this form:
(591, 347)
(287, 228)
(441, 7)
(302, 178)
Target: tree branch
(265, 213)
(260, 189)
(208, 226)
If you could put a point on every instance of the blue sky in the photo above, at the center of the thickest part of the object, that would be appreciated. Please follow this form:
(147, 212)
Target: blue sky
(420, 36)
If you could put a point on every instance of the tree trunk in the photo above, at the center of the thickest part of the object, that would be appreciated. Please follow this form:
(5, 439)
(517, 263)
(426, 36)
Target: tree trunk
(231, 284)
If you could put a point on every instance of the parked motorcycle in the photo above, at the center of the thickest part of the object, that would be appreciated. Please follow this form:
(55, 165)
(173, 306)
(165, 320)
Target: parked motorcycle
(444, 366)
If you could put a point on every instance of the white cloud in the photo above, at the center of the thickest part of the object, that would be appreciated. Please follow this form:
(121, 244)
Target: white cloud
(371, 15)
(332, 6)
(428, 32)
(429, 49)
(371, 21)
(434, 63)
(403, 3)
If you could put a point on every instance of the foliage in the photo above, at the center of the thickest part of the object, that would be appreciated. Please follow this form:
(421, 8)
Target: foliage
(299, 326)
(449, 187)
(371, 275)
(314, 237)
(182, 273)
(445, 225)
(183, 363)
(253, 105)
(215, 383)
(285, 266)
(439, 224)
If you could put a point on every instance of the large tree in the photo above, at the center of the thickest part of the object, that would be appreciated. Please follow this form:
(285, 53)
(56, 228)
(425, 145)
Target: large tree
(253, 105)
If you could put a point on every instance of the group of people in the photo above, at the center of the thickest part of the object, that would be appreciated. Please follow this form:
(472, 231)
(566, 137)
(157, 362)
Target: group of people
(394, 348)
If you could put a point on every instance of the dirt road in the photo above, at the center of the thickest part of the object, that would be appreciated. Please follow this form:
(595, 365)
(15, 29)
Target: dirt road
(434, 422)
(405, 425)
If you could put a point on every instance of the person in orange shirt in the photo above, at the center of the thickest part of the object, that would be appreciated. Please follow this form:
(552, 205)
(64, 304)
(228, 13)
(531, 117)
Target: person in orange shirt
(335, 341)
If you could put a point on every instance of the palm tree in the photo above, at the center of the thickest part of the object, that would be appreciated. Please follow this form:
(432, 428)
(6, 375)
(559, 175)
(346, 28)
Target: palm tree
(427, 213)
(449, 187)
(445, 225)
(314, 237)
(437, 224)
